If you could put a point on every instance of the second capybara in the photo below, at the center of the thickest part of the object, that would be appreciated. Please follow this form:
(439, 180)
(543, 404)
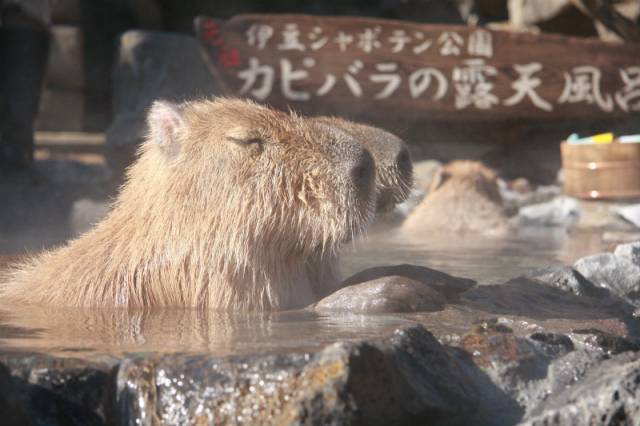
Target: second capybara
(394, 181)
(463, 198)
(223, 208)
(394, 169)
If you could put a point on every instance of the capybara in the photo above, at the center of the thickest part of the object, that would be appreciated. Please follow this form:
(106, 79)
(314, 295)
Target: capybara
(223, 208)
(394, 180)
(394, 170)
(463, 197)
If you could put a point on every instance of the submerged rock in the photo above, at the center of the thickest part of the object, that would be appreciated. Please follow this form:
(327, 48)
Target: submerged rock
(400, 288)
(447, 285)
(384, 295)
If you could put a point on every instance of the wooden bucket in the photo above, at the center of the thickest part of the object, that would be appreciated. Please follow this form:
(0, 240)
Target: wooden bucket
(606, 171)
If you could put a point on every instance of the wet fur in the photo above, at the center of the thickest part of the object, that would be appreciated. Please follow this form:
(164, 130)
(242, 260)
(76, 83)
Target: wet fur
(463, 198)
(211, 223)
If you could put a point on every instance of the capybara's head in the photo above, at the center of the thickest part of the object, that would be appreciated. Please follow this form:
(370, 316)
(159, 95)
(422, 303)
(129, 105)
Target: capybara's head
(394, 170)
(264, 181)
(468, 174)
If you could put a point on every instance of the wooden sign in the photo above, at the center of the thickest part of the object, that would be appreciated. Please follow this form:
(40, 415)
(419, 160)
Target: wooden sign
(346, 65)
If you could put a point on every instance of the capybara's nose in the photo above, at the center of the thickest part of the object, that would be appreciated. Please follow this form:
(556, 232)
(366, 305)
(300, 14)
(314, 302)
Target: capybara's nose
(363, 173)
(403, 163)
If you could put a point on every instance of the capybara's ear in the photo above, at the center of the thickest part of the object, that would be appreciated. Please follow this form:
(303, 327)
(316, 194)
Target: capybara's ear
(439, 178)
(165, 125)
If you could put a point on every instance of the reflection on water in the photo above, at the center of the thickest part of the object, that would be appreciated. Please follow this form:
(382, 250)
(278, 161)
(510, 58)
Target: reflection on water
(489, 261)
(72, 331)
(78, 331)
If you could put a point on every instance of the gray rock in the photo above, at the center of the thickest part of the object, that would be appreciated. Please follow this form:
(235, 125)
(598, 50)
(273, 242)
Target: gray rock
(561, 373)
(384, 295)
(13, 411)
(617, 274)
(607, 343)
(630, 213)
(609, 394)
(152, 65)
(629, 251)
(561, 211)
(568, 279)
(404, 379)
(511, 362)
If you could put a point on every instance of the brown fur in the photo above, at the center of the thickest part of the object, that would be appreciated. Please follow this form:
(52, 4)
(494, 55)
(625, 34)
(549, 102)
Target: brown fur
(224, 207)
(464, 197)
(394, 171)
(394, 180)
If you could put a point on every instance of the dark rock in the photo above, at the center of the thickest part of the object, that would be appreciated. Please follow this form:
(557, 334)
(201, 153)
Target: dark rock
(609, 394)
(609, 343)
(384, 295)
(533, 299)
(403, 379)
(618, 274)
(12, 408)
(60, 391)
(568, 279)
(559, 343)
(447, 285)
(151, 65)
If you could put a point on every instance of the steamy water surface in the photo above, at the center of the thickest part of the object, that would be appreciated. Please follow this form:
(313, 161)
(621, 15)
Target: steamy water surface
(78, 332)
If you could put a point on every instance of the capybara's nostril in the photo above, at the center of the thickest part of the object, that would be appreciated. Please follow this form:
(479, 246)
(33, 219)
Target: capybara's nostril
(403, 162)
(363, 173)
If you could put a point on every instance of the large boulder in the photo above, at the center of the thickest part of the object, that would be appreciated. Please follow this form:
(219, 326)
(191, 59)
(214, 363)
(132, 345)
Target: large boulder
(407, 378)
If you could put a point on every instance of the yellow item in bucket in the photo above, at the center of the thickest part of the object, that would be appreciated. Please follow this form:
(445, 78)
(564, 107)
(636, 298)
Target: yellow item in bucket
(602, 138)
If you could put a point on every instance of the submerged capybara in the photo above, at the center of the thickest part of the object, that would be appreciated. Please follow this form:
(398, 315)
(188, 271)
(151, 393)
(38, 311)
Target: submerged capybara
(223, 208)
(463, 197)
(394, 170)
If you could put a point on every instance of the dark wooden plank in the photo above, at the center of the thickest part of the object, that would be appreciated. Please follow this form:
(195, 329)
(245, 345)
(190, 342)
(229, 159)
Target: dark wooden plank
(390, 68)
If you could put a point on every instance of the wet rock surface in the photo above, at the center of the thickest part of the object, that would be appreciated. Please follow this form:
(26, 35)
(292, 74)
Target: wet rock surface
(384, 295)
(39, 389)
(402, 379)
